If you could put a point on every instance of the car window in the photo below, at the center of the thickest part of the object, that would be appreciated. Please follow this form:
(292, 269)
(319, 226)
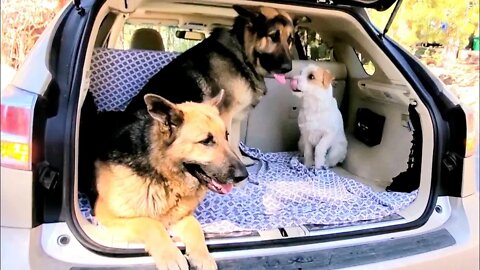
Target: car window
(170, 41)
(367, 64)
(314, 47)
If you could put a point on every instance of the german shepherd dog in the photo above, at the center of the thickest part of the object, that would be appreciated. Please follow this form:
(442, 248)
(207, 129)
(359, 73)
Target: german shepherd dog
(156, 171)
(235, 60)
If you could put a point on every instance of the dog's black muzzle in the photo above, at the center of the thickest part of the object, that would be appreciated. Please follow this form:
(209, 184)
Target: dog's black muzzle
(278, 64)
(284, 68)
(238, 171)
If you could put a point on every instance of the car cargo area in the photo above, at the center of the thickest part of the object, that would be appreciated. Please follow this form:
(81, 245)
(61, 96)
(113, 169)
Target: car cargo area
(388, 128)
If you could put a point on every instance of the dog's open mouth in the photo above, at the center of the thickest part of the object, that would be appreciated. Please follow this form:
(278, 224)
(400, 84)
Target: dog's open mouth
(212, 183)
(282, 79)
(294, 85)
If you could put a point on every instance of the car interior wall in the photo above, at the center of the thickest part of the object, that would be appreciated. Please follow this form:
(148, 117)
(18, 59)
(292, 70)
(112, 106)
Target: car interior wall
(392, 152)
(385, 72)
(115, 31)
(396, 140)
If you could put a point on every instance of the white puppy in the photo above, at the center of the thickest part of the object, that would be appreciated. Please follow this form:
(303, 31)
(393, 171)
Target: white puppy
(320, 121)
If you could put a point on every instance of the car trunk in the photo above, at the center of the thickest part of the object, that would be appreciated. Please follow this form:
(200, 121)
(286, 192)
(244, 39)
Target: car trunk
(282, 199)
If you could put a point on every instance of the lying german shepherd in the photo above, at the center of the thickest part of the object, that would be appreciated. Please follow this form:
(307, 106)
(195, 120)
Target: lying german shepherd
(155, 172)
(236, 60)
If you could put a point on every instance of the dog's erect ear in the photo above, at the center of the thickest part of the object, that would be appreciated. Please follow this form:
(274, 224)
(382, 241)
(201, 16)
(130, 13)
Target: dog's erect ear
(248, 12)
(215, 101)
(327, 78)
(163, 110)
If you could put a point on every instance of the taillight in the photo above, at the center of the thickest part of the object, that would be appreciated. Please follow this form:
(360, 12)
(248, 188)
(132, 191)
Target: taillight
(472, 139)
(16, 128)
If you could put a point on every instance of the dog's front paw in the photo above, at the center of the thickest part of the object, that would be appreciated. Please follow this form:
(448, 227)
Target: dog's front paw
(202, 260)
(308, 162)
(321, 167)
(320, 163)
(169, 259)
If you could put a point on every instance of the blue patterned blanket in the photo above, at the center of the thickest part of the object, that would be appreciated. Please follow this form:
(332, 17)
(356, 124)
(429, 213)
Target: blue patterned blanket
(282, 192)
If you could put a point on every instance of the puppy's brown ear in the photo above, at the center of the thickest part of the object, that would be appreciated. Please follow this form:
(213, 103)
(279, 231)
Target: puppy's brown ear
(327, 78)
(248, 12)
(215, 101)
(163, 110)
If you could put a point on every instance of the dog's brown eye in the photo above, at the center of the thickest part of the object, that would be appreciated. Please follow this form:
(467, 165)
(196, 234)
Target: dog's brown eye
(311, 77)
(226, 135)
(208, 141)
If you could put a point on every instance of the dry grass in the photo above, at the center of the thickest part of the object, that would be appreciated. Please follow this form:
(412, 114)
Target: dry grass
(22, 23)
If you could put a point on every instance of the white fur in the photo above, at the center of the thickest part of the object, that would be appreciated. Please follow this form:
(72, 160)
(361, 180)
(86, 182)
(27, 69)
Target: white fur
(320, 122)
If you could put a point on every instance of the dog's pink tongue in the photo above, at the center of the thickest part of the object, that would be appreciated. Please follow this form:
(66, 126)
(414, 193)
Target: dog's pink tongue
(280, 78)
(226, 188)
(294, 84)
(222, 188)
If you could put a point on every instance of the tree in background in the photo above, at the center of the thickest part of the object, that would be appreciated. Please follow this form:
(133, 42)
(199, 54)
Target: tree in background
(314, 46)
(420, 21)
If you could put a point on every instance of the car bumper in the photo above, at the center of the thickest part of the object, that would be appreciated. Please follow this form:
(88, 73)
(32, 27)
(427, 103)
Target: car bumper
(455, 245)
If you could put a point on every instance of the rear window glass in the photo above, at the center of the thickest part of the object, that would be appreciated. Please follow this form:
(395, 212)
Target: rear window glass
(170, 41)
(367, 64)
(314, 46)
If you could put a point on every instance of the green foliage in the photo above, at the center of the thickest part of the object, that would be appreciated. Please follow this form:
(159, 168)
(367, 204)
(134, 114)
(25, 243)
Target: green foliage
(422, 20)
(315, 47)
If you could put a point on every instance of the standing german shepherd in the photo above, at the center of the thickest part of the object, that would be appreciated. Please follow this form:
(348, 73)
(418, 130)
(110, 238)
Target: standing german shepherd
(235, 60)
(155, 172)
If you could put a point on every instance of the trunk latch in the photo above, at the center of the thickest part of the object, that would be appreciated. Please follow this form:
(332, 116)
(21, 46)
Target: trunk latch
(48, 177)
(450, 160)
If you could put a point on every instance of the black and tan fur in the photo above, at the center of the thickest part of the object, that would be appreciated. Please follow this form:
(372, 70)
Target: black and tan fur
(235, 60)
(153, 173)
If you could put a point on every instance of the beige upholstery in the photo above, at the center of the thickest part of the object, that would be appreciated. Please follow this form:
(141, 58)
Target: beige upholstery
(147, 39)
(272, 125)
(391, 153)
